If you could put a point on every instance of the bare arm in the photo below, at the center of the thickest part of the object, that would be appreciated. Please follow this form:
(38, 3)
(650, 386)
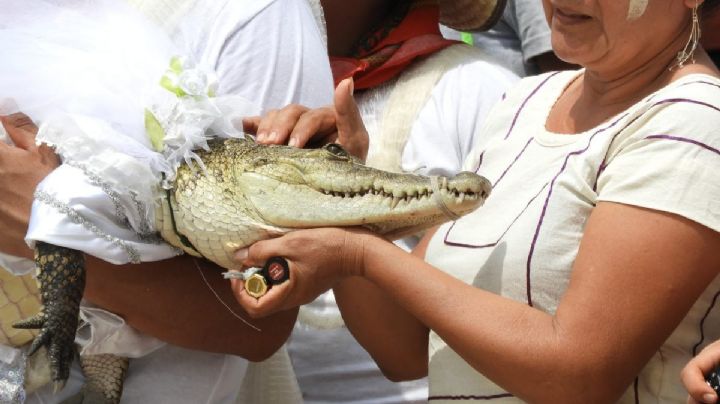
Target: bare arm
(397, 341)
(606, 326)
(672, 258)
(170, 301)
(21, 170)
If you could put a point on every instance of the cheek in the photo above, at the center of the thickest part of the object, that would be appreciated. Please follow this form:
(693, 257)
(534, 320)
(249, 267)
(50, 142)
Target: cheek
(547, 8)
(636, 9)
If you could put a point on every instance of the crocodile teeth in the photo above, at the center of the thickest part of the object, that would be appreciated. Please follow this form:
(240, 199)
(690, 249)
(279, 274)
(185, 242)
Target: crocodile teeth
(395, 202)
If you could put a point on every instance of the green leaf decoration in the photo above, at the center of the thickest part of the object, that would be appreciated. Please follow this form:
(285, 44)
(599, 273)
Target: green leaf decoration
(154, 130)
(176, 64)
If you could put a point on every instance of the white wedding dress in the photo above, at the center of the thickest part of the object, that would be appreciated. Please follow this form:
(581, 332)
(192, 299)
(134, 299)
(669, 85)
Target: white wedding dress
(89, 73)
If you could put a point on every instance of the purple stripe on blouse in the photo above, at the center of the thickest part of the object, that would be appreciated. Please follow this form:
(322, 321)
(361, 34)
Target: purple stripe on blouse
(604, 163)
(699, 82)
(702, 324)
(470, 397)
(686, 140)
(547, 202)
(601, 168)
(454, 244)
(480, 161)
(522, 106)
(514, 161)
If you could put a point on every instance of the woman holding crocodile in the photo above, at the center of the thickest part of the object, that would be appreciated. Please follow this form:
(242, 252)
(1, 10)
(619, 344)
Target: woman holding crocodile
(537, 296)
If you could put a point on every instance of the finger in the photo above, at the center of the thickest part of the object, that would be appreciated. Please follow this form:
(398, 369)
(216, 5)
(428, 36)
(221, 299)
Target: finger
(20, 129)
(264, 125)
(247, 302)
(313, 126)
(21, 120)
(275, 127)
(284, 122)
(694, 380)
(351, 129)
(272, 302)
(48, 155)
(257, 254)
(250, 124)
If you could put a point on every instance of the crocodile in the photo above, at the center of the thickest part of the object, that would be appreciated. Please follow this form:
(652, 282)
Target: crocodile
(244, 192)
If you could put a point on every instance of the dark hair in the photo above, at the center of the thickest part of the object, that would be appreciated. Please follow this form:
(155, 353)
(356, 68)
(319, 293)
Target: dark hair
(709, 6)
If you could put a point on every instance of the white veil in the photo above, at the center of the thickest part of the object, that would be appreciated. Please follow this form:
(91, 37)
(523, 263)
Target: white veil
(89, 72)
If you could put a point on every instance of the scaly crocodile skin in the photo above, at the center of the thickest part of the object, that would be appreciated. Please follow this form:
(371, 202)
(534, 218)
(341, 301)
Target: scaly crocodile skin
(61, 275)
(249, 192)
(105, 375)
(246, 192)
(19, 299)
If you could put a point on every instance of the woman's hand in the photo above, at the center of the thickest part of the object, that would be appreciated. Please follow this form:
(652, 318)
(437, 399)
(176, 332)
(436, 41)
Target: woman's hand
(693, 375)
(300, 126)
(21, 169)
(318, 259)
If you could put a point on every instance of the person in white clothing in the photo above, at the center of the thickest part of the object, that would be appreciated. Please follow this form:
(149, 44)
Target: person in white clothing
(430, 135)
(590, 274)
(519, 41)
(268, 51)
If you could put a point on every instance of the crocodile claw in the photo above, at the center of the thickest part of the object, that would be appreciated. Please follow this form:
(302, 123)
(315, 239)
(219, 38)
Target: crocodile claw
(61, 275)
(31, 323)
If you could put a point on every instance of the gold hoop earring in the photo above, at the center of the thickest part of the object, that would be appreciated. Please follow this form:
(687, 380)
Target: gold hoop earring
(688, 52)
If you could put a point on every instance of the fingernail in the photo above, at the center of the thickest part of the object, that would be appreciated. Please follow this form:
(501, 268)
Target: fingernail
(709, 398)
(241, 254)
(260, 136)
(293, 142)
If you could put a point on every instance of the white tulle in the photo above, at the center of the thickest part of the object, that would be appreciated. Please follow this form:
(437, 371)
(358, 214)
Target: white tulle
(88, 71)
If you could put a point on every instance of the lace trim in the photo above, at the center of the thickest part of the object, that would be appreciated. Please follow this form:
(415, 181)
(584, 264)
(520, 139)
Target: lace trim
(76, 217)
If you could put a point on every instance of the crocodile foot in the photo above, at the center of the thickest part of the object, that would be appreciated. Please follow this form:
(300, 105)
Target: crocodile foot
(61, 275)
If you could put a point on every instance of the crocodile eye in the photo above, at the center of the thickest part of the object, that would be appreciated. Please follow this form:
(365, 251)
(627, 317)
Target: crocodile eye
(336, 149)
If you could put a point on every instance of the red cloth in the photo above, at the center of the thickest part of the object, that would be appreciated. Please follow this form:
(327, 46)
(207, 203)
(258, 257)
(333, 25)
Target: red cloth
(417, 35)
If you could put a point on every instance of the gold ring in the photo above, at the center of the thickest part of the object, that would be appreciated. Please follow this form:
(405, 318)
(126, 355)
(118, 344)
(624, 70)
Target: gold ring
(256, 286)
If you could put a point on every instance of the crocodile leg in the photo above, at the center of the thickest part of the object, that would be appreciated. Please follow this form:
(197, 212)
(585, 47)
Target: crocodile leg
(104, 376)
(61, 275)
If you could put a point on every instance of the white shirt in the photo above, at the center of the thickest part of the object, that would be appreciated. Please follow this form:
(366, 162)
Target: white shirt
(521, 34)
(662, 153)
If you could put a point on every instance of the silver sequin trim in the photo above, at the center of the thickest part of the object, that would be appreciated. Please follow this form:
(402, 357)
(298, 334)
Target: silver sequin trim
(145, 233)
(12, 377)
(76, 217)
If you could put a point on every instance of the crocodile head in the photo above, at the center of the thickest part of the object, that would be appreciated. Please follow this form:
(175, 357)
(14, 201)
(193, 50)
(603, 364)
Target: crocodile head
(274, 189)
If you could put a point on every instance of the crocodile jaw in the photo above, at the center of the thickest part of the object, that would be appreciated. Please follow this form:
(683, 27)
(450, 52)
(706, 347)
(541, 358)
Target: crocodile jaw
(249, 192)
(410, 206)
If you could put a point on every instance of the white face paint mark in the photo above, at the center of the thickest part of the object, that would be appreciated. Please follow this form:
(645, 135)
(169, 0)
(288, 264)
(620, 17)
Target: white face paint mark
(636, 9)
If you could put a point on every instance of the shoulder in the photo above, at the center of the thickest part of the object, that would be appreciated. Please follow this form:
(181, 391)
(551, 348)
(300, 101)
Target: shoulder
(689, 107)
(478, 72)
(700, 90)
